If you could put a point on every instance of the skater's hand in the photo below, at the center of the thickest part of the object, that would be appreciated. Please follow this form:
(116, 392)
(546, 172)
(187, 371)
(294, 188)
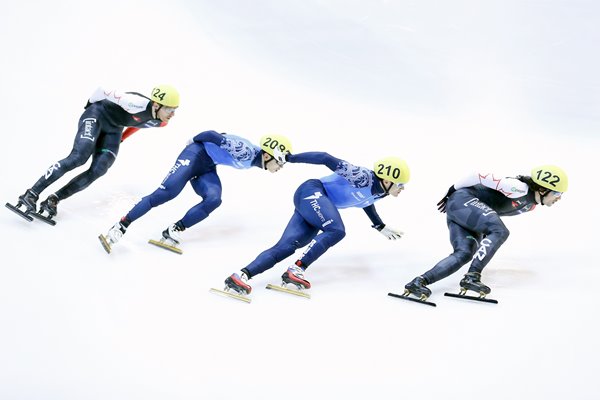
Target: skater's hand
(441, 205)
(280, 156)
(390, 233)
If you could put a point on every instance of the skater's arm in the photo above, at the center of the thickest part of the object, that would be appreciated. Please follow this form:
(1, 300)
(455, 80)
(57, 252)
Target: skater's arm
(316, 157)
(510, 187)
(210, 137)
(388, 232)
(373, 216)
(128, 132)
(133, 129)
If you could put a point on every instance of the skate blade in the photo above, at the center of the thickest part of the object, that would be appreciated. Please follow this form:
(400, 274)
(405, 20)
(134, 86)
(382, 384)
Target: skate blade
(43, 218)
(464, 296)
(295, 292)
(17, 211)
(416, 300)
(105, 243)
(236, 296)
(166, 246)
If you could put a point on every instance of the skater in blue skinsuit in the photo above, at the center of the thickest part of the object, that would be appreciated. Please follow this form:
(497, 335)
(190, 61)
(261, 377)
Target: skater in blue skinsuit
(197, 164)
(316, 220)
(474, 206)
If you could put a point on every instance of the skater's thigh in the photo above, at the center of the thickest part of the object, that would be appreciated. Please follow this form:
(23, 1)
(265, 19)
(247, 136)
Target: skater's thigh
(109, 141)
(298, 231)
(316, 208)
(179, 174)
(321, 213)
(463, 239)
(207, 185)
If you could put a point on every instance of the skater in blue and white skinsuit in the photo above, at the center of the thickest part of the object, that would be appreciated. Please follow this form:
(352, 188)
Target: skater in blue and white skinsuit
(474, 206)
(197, 164)
(316, 203)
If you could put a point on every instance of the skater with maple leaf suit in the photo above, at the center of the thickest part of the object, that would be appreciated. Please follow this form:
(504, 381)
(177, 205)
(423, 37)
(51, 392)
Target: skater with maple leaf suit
(316, 220)
(99, 135)
(197, 164)
(473, 207)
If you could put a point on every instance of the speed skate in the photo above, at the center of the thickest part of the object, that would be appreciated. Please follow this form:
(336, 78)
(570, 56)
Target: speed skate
(166, 244)
(284, 289)
(462, 295)
(30, 214)
(232, 294)
(105, 243)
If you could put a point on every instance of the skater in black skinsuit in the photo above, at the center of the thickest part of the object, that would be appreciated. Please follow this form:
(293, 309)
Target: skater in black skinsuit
(474, 207)
(99, 134)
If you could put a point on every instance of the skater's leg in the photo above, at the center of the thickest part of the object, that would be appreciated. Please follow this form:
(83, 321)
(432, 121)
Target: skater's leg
(84, 145)
(496, 234)
(321, 213)
(170, 188)
(470, 227)
(101, 162)
(208, 186)
(107, 148)
(297, 234)
(464, 243)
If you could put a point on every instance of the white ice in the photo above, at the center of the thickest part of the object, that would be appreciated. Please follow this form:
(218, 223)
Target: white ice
(453, 87)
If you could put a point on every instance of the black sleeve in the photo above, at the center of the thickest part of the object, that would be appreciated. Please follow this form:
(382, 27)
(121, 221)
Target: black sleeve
(374, 217)
(315, 157)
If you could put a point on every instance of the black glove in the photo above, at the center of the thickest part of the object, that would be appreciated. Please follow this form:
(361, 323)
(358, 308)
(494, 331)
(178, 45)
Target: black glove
(441, 205)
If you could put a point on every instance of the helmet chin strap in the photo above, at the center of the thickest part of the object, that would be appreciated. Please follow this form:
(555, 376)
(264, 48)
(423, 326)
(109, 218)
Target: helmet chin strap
(542, 196)
(262, 160)
(264, 163)
(386, 189)
(155, 111)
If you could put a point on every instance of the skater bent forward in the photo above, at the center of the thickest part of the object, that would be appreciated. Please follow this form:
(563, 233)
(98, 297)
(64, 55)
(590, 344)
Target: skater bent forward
(316, 220)
(99, 134)
(474, 206)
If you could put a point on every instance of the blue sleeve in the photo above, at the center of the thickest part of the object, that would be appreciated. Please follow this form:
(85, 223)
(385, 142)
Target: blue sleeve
(373, 216)
(316, 157)
(210, 137)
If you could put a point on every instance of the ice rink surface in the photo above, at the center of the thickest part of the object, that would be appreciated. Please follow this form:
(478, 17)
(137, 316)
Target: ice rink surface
(453, 87)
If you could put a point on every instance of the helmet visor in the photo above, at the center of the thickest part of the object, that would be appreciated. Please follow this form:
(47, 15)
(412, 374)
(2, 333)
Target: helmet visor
(168, 110)
(556, 194)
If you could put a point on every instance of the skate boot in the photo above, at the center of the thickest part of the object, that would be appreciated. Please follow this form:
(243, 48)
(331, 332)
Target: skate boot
(116, 232)
(172, 233)
(29, 200)
(295, 276)
(472, 281)
(238, 283)
(170, 238)
(417, 287)
(50, 205)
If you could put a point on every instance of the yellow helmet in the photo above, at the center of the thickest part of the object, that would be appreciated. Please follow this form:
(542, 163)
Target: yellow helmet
(166, 95)
(550, 177)
(270, 142)
(393, 169)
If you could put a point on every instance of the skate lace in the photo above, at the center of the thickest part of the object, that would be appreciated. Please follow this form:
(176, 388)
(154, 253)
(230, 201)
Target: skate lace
(32, 195)
(173, 232)
(52, 200)
(115, 233)
(297, 271)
